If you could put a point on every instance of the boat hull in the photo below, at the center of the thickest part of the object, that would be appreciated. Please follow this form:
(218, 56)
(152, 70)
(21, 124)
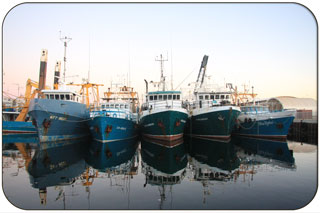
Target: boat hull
(214, 123)
(166, 125)
(109, 129)
(271, 128)
(59, 120)
(18, 127)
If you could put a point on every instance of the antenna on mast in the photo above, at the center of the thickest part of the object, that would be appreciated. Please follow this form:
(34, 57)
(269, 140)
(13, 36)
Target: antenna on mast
(65, 40)
(162, 78)
(89, 60)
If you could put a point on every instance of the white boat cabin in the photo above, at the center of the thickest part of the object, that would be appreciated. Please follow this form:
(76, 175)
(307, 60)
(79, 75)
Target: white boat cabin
(162, 99)
(217, 96)
(61, 95)
(210, 99)
(254, 109)
(114, 109)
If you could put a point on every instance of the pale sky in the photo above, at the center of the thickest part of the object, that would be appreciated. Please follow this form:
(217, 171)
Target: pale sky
(269, 46)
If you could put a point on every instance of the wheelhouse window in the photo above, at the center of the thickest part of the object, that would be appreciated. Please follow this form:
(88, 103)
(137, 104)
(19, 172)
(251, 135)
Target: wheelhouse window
(206, 97)
(169, 97)
(51, 96)
(178, 97)
(200, 97)
(155, 97)
(165, 97)
(116, 106)
(217, 96)
(160, 97)
(151, 98)
(56, 96)
(126, 106)
(227, 96)
(174, 97)
(62, 97)
(67, 97)
(47, 96)
(212, 97)
(222, 97)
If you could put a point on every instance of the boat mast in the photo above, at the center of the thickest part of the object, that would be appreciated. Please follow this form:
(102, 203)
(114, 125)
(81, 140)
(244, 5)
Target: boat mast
(162, 78)
(65, 40)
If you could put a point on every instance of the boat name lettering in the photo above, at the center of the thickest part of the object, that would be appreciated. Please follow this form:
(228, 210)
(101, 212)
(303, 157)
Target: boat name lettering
(150, 124)
(202, 119)
(121, 128)
(265, 123)
(54, 117)
(59, 165)
(121, 152)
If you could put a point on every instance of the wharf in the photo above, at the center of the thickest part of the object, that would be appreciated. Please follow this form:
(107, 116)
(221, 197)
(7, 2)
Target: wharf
(304, 131)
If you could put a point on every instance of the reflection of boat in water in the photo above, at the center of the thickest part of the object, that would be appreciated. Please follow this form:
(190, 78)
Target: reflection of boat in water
(56, 166)
(211, 161)
(108, 156)
(265, 152)
(162, 166)
(219, 156)
(117, 161)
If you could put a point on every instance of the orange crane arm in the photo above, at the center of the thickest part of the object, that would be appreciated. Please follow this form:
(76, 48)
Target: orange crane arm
(28, 96)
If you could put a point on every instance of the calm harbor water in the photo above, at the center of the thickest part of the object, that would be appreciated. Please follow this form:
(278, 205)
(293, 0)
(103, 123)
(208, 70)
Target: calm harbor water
(197, 174)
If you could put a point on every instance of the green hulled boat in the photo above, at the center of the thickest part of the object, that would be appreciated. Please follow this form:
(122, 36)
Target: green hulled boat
(163, 115)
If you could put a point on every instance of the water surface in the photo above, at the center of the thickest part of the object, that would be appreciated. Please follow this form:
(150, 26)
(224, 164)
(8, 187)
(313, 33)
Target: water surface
(197, 174)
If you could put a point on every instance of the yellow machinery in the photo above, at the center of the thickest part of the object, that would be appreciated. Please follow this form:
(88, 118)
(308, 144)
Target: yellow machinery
(239, 98)
(28, 96)
(85, 91)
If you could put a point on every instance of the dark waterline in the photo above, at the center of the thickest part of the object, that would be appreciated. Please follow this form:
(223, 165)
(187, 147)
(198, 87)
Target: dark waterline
(197, 174)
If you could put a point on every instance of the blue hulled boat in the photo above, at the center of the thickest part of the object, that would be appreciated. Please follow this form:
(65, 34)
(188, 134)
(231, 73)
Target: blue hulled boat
(59, 115)
(115, 118)
(257, 121)
(18, 127)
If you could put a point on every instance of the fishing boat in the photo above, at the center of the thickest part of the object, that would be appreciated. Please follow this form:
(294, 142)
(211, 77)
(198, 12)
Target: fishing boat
(258, 121)
(58, 114)
(163, 115)
(115, 117)
(212, 116)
